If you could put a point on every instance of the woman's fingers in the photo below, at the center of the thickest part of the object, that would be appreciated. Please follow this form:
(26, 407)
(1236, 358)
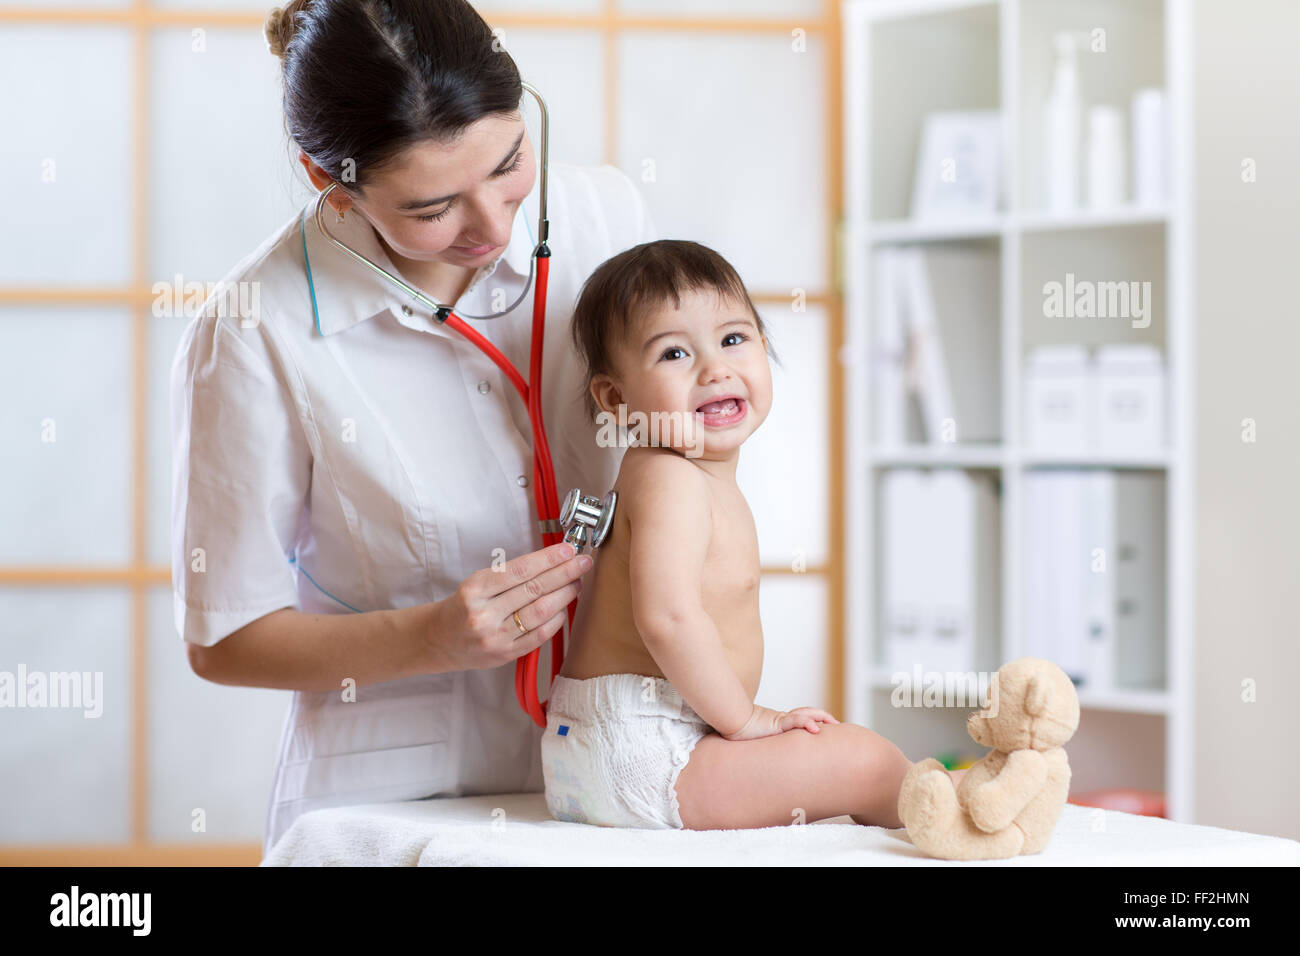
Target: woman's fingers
(535, 638)
(547, 565)
(554, 585)
(546, 608)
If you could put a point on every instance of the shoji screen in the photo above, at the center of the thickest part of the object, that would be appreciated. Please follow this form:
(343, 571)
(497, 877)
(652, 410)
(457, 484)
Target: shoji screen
(147, 142)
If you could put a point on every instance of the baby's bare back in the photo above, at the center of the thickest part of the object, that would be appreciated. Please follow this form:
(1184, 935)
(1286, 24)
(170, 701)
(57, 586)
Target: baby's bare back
(605, 638)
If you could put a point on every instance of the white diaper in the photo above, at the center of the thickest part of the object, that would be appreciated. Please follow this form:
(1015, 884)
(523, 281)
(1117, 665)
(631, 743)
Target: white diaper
(613, 749)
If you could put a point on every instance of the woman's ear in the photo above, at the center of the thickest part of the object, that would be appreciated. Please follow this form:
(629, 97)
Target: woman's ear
(340, 201)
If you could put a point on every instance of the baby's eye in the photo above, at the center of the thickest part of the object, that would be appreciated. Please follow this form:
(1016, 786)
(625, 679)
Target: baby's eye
(740, 335)
(668, 352)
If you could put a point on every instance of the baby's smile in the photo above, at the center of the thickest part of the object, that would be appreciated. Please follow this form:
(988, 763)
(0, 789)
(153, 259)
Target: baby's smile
(723, 412)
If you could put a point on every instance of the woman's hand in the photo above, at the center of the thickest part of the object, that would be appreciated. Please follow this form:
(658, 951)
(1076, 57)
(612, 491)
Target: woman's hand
(766, 722)
(475, 627)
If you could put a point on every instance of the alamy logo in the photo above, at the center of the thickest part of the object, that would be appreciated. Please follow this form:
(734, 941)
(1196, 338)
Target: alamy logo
(102, 909)
(1085, 299)
(75, 689)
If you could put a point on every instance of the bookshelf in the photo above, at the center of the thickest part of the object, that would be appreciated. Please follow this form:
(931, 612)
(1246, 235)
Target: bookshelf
(904, 59)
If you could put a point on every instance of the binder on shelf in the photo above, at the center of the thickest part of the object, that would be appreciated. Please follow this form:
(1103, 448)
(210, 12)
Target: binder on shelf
(963, 558)
(1139, 581)
(1056, 558)
(934, 342)
(928, 369)
(964, 289)
(888, 352)
(940, 571)
(1039, 629)
(948, 644)
(1099, 630)
(904, 531)
(1068, 541)
(1094, 576)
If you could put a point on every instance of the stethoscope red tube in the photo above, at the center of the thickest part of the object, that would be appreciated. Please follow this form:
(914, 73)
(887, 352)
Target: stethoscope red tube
(545, 496)
(544, 491)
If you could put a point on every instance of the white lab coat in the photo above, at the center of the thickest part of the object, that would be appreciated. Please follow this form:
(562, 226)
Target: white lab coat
(388, 458)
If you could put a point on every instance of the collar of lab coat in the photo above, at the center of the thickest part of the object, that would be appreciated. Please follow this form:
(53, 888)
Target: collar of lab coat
(345, 291)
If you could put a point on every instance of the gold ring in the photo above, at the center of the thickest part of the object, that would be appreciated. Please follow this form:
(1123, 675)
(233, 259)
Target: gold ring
(520, 624)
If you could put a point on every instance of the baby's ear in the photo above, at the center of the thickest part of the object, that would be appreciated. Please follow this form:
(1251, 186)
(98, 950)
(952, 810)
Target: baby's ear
(606, 393)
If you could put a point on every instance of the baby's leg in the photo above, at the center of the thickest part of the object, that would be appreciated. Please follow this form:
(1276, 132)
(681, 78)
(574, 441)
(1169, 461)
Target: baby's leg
(739, 784)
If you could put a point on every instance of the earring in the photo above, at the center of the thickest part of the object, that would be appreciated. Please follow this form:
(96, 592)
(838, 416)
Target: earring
(339, 213)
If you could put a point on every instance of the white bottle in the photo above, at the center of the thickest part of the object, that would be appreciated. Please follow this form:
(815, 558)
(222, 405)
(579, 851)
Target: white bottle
(1150, 148)
(1061, 173)
(1106, 186)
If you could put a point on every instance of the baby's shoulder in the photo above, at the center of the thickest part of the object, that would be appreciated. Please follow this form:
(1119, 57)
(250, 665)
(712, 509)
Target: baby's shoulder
(652, 472)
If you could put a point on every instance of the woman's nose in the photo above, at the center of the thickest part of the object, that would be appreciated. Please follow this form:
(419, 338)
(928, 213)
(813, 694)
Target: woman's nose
(486, 226)
(486, 235)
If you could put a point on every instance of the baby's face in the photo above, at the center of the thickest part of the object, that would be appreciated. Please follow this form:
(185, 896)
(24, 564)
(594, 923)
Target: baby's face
(683, 360)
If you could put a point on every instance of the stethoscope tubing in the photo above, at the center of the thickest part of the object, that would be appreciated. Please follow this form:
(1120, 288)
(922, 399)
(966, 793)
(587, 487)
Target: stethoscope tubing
(545, 495)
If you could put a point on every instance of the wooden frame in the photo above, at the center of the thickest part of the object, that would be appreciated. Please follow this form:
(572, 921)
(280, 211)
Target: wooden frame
(140, 576)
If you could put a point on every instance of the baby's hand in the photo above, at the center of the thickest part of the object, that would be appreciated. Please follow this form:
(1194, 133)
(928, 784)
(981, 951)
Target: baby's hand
(766, 722)
(806, 717)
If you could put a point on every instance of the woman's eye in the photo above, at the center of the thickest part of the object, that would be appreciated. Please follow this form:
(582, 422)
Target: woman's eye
(513, 167)
(519, 161)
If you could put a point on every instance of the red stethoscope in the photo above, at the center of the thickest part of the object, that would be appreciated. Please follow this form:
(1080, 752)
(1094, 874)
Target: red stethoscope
(583, 519)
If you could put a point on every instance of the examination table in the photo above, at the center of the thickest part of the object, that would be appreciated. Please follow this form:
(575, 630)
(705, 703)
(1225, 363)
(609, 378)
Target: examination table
(516, 830)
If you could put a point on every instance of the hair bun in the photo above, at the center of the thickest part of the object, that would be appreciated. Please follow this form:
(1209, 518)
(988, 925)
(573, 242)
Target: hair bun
(280, 26)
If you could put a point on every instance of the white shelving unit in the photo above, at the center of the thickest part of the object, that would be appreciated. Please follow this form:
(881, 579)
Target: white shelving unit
(906, 58)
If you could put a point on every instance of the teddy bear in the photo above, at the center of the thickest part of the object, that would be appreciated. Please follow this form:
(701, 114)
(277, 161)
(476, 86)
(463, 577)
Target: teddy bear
(1008, 803)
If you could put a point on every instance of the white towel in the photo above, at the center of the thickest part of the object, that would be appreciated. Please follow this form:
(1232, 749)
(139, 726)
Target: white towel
(516, 830)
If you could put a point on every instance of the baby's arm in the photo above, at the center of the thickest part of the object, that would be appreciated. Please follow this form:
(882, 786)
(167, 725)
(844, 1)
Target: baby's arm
(667, 502)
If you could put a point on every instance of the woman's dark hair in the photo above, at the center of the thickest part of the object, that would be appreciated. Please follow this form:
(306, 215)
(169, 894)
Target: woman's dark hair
(365, 79)
(622, 291)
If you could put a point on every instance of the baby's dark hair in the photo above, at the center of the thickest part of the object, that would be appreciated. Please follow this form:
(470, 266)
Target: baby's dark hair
(624, 288)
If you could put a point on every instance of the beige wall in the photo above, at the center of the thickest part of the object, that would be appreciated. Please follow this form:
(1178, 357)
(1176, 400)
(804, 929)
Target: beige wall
(1247, 621)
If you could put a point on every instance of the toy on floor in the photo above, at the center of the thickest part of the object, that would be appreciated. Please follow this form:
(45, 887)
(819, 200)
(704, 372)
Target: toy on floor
(1008, 803)
(1127, 800)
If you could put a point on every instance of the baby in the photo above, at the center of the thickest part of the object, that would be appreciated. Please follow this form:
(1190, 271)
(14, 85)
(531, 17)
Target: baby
(651, 721)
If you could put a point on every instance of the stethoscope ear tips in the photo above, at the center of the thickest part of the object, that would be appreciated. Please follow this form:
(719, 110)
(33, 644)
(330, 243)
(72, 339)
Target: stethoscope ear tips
(587, 520)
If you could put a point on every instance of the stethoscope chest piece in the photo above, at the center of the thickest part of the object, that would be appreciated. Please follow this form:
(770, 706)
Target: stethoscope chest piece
(586, 519)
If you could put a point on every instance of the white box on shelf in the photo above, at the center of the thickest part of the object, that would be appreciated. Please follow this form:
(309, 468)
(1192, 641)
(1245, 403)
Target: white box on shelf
(1058, 402)
(1129, 395)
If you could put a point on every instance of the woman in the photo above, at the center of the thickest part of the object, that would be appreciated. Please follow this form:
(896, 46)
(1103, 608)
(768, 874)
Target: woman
(352, 510)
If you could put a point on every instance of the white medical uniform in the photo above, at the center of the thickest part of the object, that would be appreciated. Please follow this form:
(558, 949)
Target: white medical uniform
(387, 458)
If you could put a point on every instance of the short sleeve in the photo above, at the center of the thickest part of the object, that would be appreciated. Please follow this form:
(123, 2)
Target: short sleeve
(241, 473)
